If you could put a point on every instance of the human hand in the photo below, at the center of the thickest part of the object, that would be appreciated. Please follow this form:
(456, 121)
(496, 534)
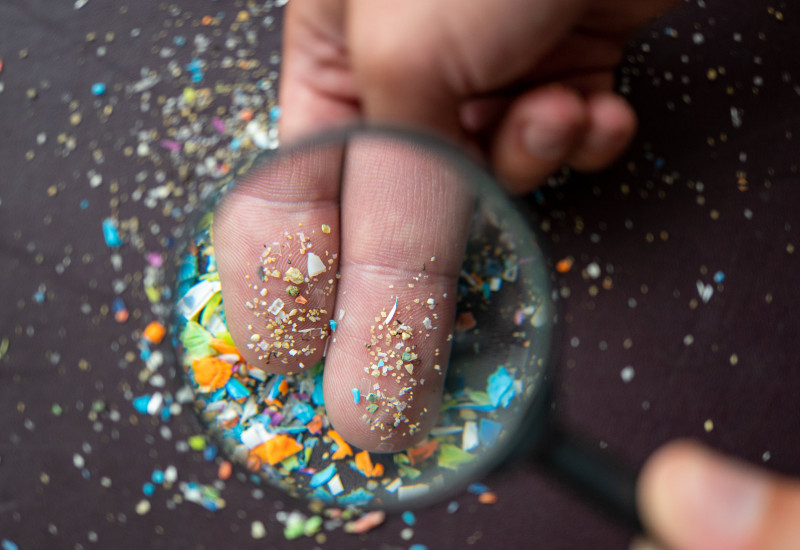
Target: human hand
(528, 84)
(694, 499)
(534, 72)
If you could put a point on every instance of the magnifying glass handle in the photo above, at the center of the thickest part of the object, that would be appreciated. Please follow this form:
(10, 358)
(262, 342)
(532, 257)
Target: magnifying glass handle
(607, 483)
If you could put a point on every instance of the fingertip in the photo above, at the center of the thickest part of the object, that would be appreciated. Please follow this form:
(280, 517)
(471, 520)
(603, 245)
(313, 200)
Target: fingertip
(537, 134)
(692, 498)
(611, 126)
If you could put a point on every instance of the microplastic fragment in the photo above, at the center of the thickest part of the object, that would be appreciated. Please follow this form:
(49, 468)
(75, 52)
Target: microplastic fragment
(391, 313)
(627, 374)
(323, 476)
(501, 388)
(257, 530)
(356, 396)
(489, 431)
(451, 457)
(315, 265)
(276, 306)
(111, 233)
(469, 437)
(335, 485)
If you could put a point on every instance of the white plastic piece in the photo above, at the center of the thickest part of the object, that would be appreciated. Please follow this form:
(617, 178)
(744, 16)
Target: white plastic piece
(315, 265)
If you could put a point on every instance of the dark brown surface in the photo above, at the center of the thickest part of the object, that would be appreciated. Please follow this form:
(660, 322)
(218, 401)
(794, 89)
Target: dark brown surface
(696, 195)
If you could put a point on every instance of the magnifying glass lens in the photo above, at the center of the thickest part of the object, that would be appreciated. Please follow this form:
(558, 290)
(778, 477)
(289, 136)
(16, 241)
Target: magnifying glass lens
(364, 319)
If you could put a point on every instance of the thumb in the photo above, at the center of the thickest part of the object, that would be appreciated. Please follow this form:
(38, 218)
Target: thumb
(692, 498)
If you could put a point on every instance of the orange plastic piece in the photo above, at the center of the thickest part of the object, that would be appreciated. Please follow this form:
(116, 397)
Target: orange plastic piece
(315, 426)
(210, 371)
(277, 449)
(365, 466)
(121, 316)
(423, 452)
(487, 498)
(284, 387)
(466, 321)
(222, 347)
(225, 470)
(344, 449)
(365, 523)
(206, 20)
(155, 332)
(301, 300)
(246, 115)
(564, 265)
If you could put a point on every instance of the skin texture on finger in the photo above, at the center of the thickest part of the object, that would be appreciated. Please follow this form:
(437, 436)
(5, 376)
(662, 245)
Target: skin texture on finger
(404, 223)
(317, 88)
(692, 498)
(276, 243)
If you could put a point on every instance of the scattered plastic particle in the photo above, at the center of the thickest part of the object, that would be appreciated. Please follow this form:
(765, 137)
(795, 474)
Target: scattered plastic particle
(409, 518)
(363, 463)
(356, 396)
(154, 332)
(142, 507)
(390, 316)
(98, 88)
(708, 425)
(315, 265)
(564, 265)
(365, 523)
(225, 470)
(453, 506)
(6, 544)
(111, 233)
(501, 388)
(451, 457)
(323, 476)
(627, 374)
(257, 530)
(477, 488)
(465, 321)
(417, 546)
(197, 442)
(211, 372)
(487, 498)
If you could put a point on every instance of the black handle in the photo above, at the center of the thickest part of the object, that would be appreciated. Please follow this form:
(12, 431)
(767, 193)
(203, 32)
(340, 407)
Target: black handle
(609, 484)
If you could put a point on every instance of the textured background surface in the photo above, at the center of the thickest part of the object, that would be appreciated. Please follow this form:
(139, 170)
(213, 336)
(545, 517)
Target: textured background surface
(708, 191)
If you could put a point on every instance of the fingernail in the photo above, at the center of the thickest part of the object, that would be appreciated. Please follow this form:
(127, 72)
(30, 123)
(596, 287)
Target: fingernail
(730, 499)
(543, 143)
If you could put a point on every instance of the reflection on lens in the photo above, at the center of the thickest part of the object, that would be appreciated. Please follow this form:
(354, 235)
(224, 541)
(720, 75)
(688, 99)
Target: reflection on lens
(277, 426)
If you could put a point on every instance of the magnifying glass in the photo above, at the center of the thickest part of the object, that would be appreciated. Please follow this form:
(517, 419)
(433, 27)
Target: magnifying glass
(366, 319)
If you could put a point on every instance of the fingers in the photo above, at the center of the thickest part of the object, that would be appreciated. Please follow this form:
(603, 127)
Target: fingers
(404, 222)
(276, 243)
(692, 498)
(317, 88)
(556, 125)
(538, 133)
